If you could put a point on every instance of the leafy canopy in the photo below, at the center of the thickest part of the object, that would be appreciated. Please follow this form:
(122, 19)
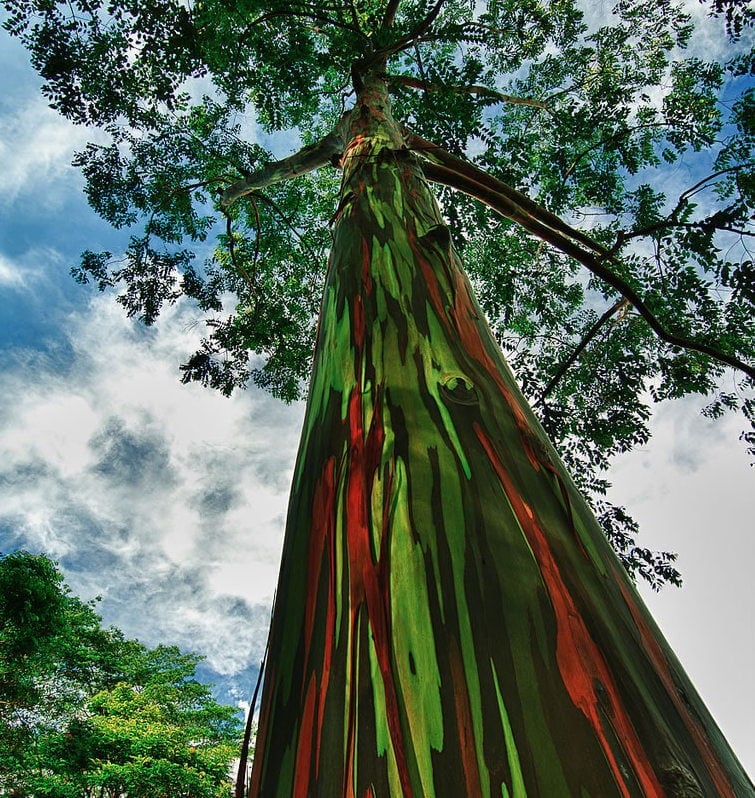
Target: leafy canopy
(86, 712)
(602, 119)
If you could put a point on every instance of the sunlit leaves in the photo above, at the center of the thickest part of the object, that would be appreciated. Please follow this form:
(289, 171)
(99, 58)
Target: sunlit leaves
(690, 107)
(82, 709)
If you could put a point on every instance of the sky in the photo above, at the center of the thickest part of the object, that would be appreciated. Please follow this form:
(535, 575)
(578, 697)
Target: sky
(169, 500)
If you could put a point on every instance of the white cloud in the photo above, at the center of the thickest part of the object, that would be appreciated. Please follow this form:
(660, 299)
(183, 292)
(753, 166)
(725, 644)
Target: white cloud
(36, 147)
(11, 276)
(166, 499)
(24, 272)
(690, 490)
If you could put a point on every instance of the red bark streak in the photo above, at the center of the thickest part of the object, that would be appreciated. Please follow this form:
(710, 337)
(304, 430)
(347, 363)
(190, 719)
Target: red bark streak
(579, 659)
(304, 746)
(366, 264)
(365, 576)
(357, 324)
(320, 536)
(321, 541)
(464, 726)
(723, 786)
(431, 280)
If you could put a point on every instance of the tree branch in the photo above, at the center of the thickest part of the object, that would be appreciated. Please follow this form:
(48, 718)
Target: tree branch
(250, 282)
(671, 219)
(480, 91)
(447, 169)
(390, 14)
(525, 211)
(315, 17)
(589, 335)
(410, 38)
(306, 160)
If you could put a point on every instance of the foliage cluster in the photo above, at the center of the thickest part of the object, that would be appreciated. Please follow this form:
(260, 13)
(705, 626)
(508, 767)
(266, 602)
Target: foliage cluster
(86, 712)
(603, 119)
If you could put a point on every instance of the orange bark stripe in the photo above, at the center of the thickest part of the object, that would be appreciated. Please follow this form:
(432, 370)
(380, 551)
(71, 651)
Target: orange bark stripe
(579, 658)
(431, 279)
(464, 726)
(660, 661)
(304, 746)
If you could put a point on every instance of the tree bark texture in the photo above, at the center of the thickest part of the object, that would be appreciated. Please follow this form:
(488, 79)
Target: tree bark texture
(450, 620)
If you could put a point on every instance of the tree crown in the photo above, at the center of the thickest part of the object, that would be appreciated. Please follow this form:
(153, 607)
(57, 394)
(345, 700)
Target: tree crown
(621, 277)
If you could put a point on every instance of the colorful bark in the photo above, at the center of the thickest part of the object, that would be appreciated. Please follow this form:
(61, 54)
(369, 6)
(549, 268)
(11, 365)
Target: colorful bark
(450, 620)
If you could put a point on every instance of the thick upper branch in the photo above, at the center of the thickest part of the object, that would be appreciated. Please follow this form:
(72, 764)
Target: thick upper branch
(390, 14)
(306, 160)
(410, 38)
(479, 91)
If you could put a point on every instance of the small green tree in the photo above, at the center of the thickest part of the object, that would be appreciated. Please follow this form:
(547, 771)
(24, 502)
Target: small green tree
(87, 712)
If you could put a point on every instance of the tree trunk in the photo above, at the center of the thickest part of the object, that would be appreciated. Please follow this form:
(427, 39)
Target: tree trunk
(449, 618)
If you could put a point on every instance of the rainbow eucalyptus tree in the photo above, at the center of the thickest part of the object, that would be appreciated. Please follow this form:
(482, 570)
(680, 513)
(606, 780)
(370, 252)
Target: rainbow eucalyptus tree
(451, 618)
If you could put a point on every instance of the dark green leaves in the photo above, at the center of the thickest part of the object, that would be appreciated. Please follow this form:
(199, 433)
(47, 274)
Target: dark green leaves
(103, 62)
(600, 117)
(737, 14)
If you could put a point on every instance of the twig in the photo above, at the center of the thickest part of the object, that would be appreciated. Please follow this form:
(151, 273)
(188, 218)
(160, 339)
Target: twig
(480, 91)
(232, 252)
(589, 335)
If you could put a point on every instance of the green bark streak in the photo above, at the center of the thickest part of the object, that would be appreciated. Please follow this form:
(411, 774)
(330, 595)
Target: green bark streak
(450, 620)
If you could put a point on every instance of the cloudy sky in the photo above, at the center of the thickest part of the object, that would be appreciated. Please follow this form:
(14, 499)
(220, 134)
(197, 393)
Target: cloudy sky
(168, 500)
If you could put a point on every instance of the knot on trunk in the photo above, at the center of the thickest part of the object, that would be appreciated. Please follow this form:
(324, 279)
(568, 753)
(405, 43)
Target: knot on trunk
(679, 782)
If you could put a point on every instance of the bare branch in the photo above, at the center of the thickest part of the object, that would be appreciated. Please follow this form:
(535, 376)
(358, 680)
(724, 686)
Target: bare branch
(702, 183)
(479, 91)
(306, 160)
(589, 335)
